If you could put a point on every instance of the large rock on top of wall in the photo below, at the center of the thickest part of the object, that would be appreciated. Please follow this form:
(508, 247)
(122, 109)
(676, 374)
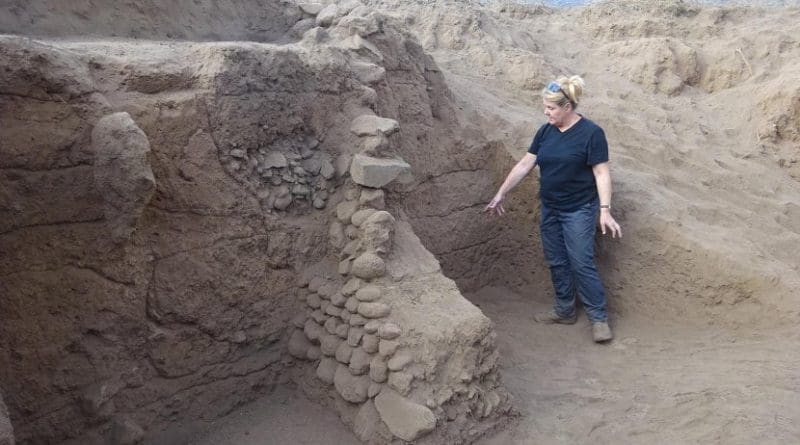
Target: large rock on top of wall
(377, 172)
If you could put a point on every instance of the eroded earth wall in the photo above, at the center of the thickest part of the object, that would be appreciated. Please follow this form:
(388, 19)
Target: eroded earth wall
(169, 209)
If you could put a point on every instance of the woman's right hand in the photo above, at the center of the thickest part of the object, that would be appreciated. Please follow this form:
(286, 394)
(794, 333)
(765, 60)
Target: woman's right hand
(495, 206)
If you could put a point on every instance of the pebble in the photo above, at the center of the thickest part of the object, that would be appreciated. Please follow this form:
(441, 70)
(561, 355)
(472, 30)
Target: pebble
(370, 343)
(359, 361)
(399, 361)
(352, 305)
(299, 344)
(372, 326)
(318, 316)
(354, 336)
(329, 343)
(327, 369)
(342, 330)
(389, 331)
(352, 285)
(378, 370)
(313, 330)
(331, 324)
(368, 293)
(313, 301)
(352, 388)
(374, 310)
(387, 347)
(357, 320)
(343, 353)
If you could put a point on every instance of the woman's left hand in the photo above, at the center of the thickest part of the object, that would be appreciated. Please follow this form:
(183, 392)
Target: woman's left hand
(607, 222)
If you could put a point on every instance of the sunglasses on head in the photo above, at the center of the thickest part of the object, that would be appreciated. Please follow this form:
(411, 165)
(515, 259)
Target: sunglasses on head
(554, 87)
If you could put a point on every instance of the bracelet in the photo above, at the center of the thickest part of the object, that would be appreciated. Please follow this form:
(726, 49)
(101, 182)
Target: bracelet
(605, 206)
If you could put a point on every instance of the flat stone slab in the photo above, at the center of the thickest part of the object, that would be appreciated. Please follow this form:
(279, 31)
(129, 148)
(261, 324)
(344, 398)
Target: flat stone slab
(376, 172)
(371, 125)
(406, 419)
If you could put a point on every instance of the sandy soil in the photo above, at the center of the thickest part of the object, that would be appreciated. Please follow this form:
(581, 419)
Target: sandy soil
(657, 382)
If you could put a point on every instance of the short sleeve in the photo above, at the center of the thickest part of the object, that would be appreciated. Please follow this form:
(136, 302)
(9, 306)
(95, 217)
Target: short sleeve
(597, 152)
(537, 141)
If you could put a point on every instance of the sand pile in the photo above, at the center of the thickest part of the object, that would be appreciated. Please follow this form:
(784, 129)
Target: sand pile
(189, 200)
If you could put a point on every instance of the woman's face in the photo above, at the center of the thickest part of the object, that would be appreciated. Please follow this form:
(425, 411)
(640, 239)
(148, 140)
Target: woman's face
(555, 114)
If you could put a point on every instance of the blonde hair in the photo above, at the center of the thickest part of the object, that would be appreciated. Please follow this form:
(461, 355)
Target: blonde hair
(571, 89)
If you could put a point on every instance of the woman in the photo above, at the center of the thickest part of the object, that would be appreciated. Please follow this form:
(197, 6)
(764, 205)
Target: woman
(575, 182)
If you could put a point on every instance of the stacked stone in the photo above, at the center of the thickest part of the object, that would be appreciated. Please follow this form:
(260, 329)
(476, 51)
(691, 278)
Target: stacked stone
(348, 327)
(284, 173)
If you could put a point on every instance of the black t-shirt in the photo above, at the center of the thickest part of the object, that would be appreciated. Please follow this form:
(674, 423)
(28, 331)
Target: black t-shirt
(565, 163)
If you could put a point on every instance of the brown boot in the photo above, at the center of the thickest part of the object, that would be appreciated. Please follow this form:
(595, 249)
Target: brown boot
(601, 331)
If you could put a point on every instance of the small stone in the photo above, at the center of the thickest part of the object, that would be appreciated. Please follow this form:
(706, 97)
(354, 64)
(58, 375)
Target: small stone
(327, 369)
(349, 251)
(331, 324)
(336, 234)
(345, 316)
(314, 353)
(323, 304)
(357, 320)
(352, 285)
(387, 347)
(372, 326)
(299, 320)
(311, 8)
(315, 283)
(329, 343)
(327, 170)
(369, 125)
(327, 15)
(343, 353)
(351, 232)
(360, 216)
(319, 203)
(345, 266)
(313, 330)
(401, 382)
(368, 266)
(238, 153)
(354, 336)
(378, 370)
(326, 290)
(352, 388)
(370, 343)
(374, 310)
(399, 361)
(301, 190)
(275, 160)
(282, 203)
(374, 389)
(313, 301)
(373, 198)
(389, 331)
(351, 194)
(342, 330)
(359, 361)
(302, 280)
(406, 419)
(368, 293)
(345, 210)
(352, 304)
(299, 344)
(319, 316)
(333, 310)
